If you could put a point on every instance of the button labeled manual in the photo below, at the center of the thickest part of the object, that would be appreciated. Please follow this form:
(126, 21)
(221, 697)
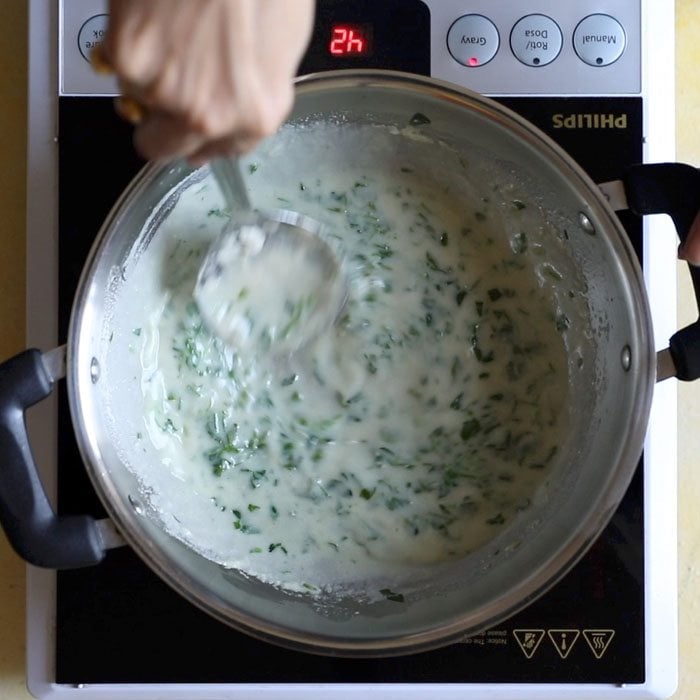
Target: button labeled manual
(599, 40)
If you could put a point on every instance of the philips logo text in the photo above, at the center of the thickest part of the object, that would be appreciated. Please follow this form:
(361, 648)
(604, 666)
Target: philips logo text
(589, 121)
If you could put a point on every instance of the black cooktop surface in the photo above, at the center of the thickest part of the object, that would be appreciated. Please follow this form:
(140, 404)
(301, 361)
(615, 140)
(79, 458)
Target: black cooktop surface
(118, 623)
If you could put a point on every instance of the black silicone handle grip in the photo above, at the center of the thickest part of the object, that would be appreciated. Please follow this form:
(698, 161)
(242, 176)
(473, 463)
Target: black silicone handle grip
(673, 189)
(36, 533)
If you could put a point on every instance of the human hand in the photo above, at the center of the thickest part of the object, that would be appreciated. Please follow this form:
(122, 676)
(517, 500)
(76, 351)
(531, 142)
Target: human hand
(690, 250)
(213, 76)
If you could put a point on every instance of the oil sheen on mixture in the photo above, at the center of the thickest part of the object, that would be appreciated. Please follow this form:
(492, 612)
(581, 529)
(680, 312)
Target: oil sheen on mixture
(410, 433)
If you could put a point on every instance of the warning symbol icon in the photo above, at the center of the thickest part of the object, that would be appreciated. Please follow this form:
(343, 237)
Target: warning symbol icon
(528, 640)
(563, 640)
(598, 641)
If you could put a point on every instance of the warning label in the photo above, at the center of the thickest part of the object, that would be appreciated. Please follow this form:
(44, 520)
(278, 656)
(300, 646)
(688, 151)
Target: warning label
(598, 641)
(563, 640)
(528, 640)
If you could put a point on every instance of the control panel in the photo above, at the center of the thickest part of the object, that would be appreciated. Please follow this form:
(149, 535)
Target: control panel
(538, 47)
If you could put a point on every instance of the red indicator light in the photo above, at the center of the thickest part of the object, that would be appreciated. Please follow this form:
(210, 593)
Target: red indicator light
(350, 40)
(473, 61)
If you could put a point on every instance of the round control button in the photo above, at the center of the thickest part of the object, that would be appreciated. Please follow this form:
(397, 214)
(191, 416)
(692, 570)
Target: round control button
(473, 40)
(91, 34)
(599, 40)
(536, 40)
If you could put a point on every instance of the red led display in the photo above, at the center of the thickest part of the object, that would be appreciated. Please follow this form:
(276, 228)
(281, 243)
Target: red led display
(350, 40)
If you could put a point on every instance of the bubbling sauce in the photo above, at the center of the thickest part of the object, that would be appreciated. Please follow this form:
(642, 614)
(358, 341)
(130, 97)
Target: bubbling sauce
(414, 430)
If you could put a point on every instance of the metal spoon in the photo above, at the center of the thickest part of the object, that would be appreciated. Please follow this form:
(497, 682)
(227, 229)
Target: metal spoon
(270, 281)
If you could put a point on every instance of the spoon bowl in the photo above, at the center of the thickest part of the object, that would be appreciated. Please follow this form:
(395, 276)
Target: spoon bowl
(271, 281)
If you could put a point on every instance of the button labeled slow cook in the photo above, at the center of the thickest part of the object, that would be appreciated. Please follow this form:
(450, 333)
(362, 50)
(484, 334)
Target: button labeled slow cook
(91, 34)
(473, 40)
(536, 40)
(599, 40)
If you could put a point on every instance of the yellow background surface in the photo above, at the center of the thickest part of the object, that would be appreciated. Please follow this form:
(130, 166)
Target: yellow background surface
(13, 31)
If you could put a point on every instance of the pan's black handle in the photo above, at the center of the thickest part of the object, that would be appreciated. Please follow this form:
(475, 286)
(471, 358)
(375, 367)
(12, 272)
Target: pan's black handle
(673, 189)
(33, 529)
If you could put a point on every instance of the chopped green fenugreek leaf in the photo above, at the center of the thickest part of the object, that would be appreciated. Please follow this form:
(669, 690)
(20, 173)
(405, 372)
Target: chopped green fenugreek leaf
(470, 428)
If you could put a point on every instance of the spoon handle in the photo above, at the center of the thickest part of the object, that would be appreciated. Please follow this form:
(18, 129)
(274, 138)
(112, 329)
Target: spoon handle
(228, 176)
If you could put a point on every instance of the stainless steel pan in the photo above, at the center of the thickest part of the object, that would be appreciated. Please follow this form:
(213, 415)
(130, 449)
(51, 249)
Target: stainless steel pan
(612, 396)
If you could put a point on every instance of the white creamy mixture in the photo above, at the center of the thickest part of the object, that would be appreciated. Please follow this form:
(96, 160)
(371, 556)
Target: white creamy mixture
(414, 430)
(269, 287)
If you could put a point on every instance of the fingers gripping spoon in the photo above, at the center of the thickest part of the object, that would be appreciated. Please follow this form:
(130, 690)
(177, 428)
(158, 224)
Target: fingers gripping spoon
(269, 282)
